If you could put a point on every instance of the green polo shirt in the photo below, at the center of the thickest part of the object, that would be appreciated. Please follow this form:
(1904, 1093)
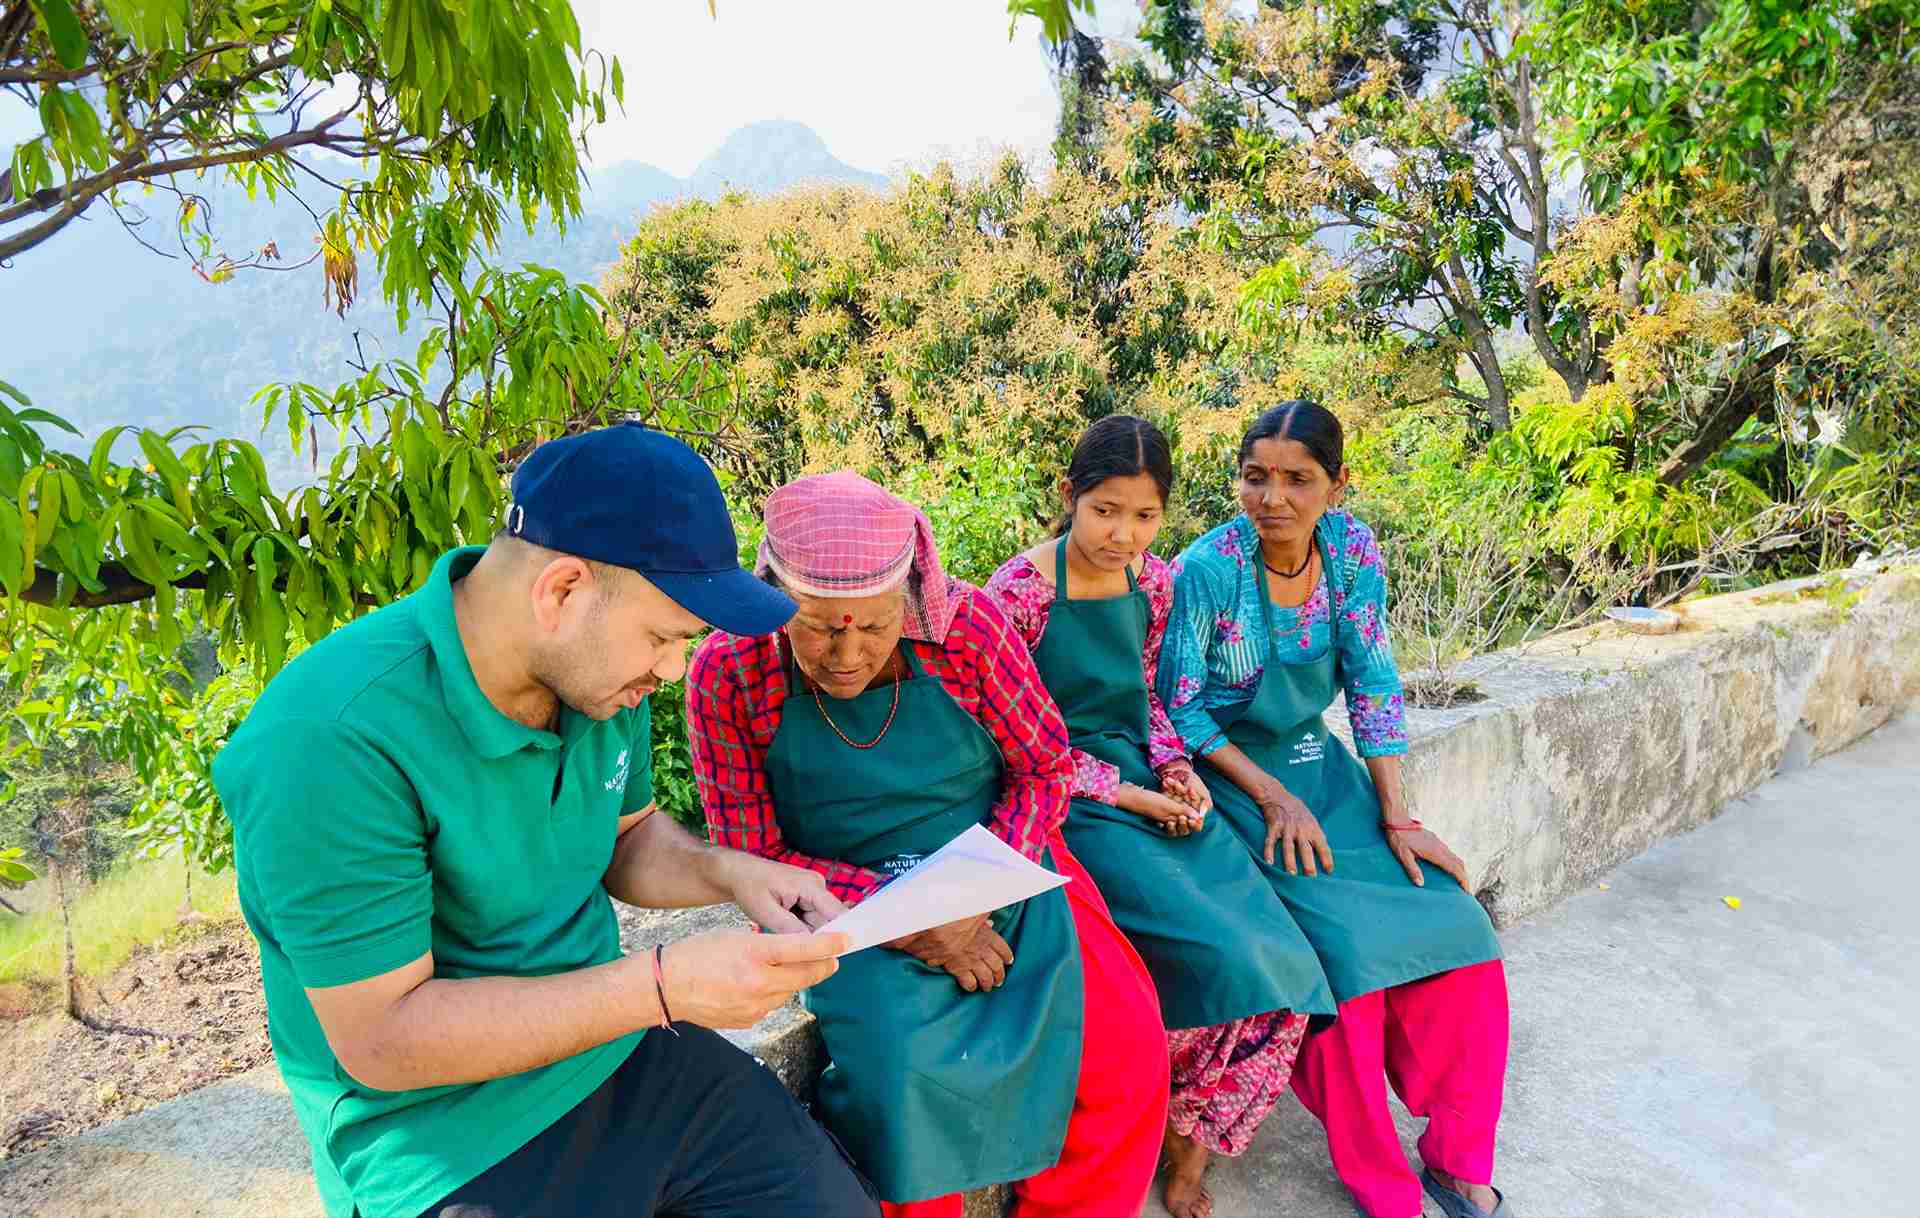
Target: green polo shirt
(382, 808)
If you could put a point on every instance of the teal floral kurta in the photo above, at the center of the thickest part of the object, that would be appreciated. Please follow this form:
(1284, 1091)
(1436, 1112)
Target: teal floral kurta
(1211, 656)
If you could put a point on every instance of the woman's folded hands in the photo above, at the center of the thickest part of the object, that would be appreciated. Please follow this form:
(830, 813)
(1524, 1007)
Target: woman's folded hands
(970, 949)
(1173, 814)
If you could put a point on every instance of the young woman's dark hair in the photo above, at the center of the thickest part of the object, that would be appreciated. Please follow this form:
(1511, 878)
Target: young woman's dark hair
(1308, 422)
(1118, 446)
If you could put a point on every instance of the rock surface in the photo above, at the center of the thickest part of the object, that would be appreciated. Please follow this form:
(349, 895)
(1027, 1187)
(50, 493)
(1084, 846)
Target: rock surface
(1594, 744)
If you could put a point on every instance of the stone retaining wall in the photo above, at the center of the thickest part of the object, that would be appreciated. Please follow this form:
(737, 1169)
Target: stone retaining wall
(1594, 744)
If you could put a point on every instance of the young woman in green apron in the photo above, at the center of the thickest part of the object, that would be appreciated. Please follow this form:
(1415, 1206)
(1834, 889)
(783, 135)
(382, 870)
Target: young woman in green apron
(1236, 978)
(1275, 613)
(892, 713)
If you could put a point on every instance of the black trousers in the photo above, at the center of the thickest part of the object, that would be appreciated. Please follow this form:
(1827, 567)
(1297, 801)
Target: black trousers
(687, 1127)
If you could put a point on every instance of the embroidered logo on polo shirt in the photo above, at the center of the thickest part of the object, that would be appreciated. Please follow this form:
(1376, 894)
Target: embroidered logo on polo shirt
(619, 780)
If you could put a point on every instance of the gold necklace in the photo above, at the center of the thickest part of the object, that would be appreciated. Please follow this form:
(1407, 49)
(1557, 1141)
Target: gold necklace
(891, 712)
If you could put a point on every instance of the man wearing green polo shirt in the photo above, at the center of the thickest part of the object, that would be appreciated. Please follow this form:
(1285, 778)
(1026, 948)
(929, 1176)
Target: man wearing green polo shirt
(430, 808)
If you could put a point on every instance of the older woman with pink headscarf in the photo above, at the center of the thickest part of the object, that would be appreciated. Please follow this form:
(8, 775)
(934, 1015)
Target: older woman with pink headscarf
(897, 709)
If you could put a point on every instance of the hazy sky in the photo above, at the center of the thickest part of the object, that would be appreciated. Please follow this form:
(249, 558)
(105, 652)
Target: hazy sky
(884, 82)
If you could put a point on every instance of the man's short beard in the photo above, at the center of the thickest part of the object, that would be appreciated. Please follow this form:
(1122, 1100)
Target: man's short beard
(570, 673)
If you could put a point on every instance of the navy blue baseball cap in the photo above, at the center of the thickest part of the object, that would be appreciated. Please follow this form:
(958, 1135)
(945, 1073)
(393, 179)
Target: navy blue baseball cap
(632, 496)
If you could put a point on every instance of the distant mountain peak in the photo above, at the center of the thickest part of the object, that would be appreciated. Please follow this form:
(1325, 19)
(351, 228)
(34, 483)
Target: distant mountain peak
(767, 130)
(772, 154)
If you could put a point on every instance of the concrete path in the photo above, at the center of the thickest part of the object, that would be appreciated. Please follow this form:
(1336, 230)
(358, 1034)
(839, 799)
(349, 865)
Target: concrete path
(1675, 1058)
(232, 1150)
(1672, 1057)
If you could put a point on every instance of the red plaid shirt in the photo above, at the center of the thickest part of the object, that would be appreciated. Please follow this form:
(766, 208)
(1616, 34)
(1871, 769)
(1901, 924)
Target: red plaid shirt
(736, 688)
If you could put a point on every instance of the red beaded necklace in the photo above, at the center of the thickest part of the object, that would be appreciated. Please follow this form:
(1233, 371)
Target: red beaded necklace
(891, 711)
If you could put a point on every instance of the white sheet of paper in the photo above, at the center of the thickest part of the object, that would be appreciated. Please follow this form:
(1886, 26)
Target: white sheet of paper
(972, 874)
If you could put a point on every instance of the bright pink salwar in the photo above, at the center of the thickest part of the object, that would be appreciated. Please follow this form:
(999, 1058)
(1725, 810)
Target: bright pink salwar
(1442, 1042)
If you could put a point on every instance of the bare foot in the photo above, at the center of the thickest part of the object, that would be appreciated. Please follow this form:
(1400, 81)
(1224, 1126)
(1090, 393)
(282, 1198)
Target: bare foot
(1481, 1195)
(1186, 1192)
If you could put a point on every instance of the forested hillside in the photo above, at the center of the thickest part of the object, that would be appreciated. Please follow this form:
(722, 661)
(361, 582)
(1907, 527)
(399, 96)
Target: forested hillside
(165, 348)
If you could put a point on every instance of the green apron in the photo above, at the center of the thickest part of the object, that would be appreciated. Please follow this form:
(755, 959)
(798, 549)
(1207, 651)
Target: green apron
(1218, 942)
(933, 1089)
(1371, 925)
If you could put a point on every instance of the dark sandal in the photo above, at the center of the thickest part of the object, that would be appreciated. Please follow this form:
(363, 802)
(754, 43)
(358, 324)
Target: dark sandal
(1457, 1205)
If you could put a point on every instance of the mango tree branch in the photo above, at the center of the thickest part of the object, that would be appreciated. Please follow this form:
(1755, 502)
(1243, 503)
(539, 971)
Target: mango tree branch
(151, 131)
(122, 587)
(1742, 398)
(67, 202)
(45, 76)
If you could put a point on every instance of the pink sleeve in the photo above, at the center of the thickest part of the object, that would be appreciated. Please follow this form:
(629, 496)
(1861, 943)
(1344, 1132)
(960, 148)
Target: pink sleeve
(1024, 594)
(1095, 779)
(1163, 743)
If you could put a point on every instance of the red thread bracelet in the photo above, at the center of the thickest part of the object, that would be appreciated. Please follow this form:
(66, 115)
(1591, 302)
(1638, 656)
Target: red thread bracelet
(660, 988)
(1402, 828)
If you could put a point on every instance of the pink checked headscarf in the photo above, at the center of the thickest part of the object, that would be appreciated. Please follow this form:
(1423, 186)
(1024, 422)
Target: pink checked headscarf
(840, 535)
